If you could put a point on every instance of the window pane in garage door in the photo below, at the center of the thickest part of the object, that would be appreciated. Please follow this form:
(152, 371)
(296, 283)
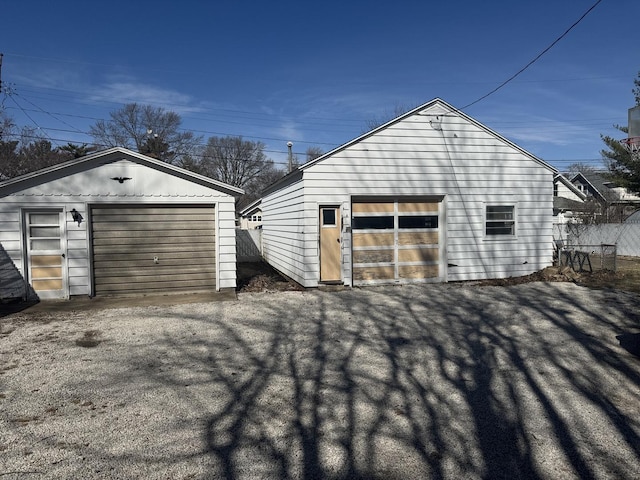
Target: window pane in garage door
(418, 221)
(377, 223)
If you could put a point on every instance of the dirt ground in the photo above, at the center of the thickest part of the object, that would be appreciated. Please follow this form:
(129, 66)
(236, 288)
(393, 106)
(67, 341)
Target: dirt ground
(626, 277)
(260, 277)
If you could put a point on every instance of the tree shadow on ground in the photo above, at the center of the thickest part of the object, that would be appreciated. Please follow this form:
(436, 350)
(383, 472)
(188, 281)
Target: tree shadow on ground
(414, 382)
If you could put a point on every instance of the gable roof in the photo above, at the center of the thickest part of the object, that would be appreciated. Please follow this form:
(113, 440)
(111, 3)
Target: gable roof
(296, 174)
(249, 209)
(103, 157)
(417, 110)
(595, 180)
(567, 183)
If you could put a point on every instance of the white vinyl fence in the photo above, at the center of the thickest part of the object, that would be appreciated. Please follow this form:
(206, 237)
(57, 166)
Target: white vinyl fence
(248, 245)
(625, 236)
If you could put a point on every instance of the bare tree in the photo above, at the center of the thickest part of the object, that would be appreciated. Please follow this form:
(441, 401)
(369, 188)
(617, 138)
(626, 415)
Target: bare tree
(254, 188)
(384, 117)
(313, 153)
(579, 167)
(233, 160)
(150, 130)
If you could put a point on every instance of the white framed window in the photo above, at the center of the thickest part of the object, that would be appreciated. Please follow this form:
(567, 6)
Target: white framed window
(500, 221)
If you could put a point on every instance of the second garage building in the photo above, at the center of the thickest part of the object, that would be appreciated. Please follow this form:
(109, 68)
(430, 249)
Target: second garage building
(116, 223)
(431, 196)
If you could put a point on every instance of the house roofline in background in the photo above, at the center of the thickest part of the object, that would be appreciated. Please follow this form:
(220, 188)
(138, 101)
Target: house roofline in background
(570, 185)
(249, 208)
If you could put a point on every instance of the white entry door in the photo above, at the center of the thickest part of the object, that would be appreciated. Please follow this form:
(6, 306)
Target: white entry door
(46, 260)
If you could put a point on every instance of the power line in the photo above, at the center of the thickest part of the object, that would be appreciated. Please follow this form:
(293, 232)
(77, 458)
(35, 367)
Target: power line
(535, 59)
(44, 133)
(46, 112)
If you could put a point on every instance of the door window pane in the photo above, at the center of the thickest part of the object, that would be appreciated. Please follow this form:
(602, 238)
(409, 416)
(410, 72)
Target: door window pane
(44, 218)
(328, 217)
(44, 231)
(45, 244)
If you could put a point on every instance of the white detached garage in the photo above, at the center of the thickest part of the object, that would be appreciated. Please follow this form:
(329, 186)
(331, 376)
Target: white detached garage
(115, 223)
(430, 196)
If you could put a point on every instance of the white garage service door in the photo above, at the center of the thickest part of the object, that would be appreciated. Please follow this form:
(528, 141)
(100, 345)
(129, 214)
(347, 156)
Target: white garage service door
(396, 240)
(159, 249)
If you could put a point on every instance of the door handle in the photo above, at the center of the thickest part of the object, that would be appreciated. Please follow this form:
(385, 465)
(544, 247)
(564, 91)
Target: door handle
(63, 256)
(338, 240)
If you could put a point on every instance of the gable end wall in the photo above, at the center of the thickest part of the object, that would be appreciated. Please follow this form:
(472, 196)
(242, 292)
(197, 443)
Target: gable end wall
(431, 155)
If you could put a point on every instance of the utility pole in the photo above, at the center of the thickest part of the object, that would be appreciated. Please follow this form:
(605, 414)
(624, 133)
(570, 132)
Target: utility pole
(289, 145)
(1, 72)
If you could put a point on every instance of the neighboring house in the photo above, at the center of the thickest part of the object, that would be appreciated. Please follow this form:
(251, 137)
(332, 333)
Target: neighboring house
(614, 203)
(568, 201)
(431, 196)
(116, 222)
(251, 216)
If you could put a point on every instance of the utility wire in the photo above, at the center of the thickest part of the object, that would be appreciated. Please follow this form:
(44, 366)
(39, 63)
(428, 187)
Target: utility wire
(535, 59)
(44, 133)
(46, 112)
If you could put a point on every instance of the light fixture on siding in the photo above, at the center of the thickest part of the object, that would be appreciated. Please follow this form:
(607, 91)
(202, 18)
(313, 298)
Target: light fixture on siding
(77, 217)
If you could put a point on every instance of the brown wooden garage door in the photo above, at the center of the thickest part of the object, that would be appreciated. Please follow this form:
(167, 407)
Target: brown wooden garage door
(395, 240)
(160, 249)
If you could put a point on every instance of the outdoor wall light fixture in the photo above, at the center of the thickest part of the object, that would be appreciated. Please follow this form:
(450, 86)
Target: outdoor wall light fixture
(77, 217)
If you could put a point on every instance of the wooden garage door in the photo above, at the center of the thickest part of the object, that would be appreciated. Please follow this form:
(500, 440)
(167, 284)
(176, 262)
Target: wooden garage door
(395, 241)
(138, 250)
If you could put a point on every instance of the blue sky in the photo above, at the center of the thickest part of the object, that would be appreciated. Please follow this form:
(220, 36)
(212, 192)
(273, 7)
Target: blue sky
(315, 73)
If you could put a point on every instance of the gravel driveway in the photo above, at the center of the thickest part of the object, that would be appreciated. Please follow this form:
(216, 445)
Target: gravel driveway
(536, 381)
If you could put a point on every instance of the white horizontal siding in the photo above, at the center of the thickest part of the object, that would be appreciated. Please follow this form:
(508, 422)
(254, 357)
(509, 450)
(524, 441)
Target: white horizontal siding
(78, 270)
(462, 162)
(226, 238)
(58, 194)
(283, 231)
